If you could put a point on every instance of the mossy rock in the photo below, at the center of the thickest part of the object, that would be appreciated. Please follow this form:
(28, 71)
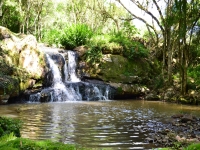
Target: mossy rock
(22, 63)
(116, 68)
(9, 85)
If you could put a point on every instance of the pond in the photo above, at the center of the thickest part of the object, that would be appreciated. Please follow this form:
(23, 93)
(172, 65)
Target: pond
(94, 124)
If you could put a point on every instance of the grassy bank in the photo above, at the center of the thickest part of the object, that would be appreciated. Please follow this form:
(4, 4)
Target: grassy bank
(10, 139)
(10, 142)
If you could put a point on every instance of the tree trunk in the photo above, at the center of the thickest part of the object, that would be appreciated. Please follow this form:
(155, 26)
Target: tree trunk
(169, 50)
(184, 76)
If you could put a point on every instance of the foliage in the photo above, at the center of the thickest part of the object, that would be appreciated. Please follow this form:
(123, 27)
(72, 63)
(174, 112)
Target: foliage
(128, 29)
(94, 54)
(193, 75)
(8, 126)
(131, 49)
(76, 35)
(7, 137)
(52, 37)
(99, 40)
(114, 42)
(11, 17)
(194, 146)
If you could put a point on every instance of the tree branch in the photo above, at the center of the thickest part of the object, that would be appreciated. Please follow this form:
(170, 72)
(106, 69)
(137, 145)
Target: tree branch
(149, 13)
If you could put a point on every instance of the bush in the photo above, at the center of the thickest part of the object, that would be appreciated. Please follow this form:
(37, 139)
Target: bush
(131, 48)
(193, 75)
(8, 126)
(76, 35)
(52, 37)
(99, 40)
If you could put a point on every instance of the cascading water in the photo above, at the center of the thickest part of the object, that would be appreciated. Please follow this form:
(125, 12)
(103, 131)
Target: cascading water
(67, 86)
(72, 66)
(60, 91)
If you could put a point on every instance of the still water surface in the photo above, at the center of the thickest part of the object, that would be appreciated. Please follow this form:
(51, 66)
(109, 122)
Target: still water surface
(99, 124)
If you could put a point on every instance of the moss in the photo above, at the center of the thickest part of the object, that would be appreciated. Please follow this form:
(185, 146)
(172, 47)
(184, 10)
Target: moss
(119, 69)
(8, 84)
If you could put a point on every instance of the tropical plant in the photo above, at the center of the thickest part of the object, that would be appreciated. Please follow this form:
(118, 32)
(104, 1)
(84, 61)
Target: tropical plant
(76, 35)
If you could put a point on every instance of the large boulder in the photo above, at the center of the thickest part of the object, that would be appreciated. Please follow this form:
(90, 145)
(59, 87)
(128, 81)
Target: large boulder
(129, 77)
(22, 63)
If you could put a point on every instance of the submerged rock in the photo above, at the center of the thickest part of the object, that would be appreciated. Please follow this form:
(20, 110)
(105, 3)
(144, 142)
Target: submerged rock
(183, 128)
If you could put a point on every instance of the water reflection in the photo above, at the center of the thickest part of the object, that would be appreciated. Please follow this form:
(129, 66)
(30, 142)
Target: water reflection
(102, 124)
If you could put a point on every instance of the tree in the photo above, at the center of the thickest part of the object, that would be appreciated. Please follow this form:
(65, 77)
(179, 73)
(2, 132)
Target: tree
(10, 17)
(186, 25)
(176, 23)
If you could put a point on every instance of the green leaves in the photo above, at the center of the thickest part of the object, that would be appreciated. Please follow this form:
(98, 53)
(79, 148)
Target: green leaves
(8, 126)
(131, 48)
(11, 16)
(76, 35)
(7, 137)
(52, 37)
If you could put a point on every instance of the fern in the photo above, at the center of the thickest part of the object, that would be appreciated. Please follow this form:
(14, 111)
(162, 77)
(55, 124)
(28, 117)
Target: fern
(7, 137)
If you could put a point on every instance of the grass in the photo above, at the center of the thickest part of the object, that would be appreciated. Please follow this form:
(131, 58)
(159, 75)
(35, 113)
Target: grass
(14, 143)
(195, 146)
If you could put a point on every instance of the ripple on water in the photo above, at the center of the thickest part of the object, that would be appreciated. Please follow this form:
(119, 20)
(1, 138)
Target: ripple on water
(103, 124)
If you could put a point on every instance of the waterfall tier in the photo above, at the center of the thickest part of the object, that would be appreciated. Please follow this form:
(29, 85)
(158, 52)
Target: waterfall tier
(63, 84)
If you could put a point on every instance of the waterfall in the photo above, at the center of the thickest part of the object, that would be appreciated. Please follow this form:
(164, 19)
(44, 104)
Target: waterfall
(57, 79)
(60, 91)
(72, 66)
(65, 72)
(64, 85)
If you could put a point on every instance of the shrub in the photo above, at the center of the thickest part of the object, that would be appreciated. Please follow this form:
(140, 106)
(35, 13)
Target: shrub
(8, 126)
(131, 48)
(99, 40)
(76, 35)
(52, 37)
(193, 74)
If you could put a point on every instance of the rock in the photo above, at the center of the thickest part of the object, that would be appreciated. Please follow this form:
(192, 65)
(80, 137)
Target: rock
(81, 50)
(152, 96)
(24, 60)
(128, 90)
(149, 140)
(187, 118)
(177, 116)
(168, 94)
(4, 99)
(127, 76)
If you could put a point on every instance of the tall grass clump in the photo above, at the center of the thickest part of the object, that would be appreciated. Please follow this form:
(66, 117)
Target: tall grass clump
(76, 35)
